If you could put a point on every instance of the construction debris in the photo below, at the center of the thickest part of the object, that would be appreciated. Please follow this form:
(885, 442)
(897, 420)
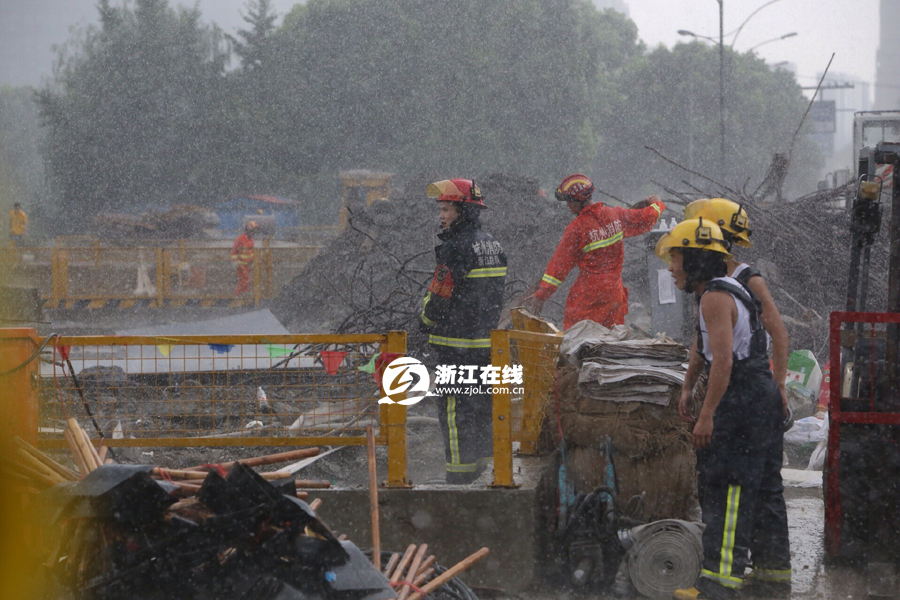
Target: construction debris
(377, 270)
(177, 222)
(124, 535)
(208, 531)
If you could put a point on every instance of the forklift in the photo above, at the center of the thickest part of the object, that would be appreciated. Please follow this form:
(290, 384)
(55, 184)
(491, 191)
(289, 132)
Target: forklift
(862, 470)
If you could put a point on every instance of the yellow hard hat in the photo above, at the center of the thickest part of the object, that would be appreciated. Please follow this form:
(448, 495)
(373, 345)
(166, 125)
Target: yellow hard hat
(728, 215)
(692, 233)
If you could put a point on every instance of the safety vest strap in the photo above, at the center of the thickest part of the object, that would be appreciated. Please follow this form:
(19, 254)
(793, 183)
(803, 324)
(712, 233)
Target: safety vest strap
(759, 343)
(746, 274)
(604, 243)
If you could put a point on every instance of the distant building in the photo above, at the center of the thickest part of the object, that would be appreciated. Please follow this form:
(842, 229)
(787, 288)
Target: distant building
(618, 5)
(887, 77)
(836, 146)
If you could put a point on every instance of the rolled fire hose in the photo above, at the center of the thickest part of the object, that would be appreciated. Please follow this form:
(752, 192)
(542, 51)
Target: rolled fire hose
(663, 556)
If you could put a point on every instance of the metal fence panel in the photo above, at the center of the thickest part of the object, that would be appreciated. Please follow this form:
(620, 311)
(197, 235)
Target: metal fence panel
(213, 390)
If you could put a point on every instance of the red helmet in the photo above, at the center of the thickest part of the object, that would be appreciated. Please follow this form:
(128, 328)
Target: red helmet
(465, 191)
(251, 226)
(575, 188)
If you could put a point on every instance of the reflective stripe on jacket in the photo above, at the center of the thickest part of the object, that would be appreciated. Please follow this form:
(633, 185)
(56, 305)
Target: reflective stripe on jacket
(593, 242)
(466, 292)
(242, 251)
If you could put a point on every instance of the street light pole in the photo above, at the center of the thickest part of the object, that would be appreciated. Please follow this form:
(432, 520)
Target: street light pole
(778, 39)
(722, 84)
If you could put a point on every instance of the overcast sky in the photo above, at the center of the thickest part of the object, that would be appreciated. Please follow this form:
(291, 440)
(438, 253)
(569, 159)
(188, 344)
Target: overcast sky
(28, 28)
(848, 28)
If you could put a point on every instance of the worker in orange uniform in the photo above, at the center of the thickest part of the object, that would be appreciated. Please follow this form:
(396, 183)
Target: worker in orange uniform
(242, 257)
(18, 223)
(593, 241)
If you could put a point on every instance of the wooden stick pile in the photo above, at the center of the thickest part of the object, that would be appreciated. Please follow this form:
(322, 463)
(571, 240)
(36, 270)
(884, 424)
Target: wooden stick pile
(35, 470)
(413, 571)
(412, 574)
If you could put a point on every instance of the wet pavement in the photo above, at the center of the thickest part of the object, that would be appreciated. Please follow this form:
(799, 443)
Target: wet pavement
(812, 576)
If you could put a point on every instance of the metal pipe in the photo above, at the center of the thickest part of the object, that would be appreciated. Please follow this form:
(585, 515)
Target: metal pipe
(892, 355)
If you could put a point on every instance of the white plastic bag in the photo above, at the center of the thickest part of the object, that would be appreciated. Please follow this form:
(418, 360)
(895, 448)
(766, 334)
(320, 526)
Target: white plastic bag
(807, 430)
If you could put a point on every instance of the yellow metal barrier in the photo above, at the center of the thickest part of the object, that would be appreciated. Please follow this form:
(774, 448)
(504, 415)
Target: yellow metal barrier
(171, 276)
(238, 390)
(18, 384)
(518, 417)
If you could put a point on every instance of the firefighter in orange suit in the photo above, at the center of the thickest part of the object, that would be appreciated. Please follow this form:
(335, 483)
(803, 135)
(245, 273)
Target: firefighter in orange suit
(593, 242)
(242, 257)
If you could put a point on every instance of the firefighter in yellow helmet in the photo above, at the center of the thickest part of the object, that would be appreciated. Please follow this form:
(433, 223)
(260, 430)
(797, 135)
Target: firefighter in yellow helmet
(734, 222)
(738, 434)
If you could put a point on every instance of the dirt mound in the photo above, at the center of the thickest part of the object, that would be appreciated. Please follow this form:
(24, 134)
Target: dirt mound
(373, 276)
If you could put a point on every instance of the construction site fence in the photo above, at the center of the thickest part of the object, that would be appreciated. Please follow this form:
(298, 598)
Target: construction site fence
(251, 390)
(202, 391)
(170, 276)
(518, 411)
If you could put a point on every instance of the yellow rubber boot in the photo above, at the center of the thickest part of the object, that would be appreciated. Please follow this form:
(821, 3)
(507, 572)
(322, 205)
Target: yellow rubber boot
(690, 593)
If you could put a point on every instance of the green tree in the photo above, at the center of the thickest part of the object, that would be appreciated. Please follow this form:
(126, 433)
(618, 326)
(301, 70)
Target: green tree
(669, 100)
(21, 165)
(136, 114)
(447, 87)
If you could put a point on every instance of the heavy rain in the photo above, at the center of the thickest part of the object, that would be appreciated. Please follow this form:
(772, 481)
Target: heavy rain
(498, 299)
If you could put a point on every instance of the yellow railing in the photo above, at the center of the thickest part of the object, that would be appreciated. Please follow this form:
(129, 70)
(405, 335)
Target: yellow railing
(166, 275)
(237, 390)
(518, 417)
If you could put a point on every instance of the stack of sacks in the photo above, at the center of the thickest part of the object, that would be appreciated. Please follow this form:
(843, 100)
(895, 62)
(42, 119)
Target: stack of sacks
(628, 390)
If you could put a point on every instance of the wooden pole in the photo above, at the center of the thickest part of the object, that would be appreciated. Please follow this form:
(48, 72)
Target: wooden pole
(423, 577)
(95, 456)
(30, 461)
(407, 556)
(66, 473)
(86, 455)
(311, 484)
(315, 504)
(76, 453)
(413, 571)
(33, 476)
(270, 459)
(450, 574)
(425, 565)
(391, 563)
(373, 497)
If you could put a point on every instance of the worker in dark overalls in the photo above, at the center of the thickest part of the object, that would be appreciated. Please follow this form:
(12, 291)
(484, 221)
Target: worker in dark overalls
(738, 433)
